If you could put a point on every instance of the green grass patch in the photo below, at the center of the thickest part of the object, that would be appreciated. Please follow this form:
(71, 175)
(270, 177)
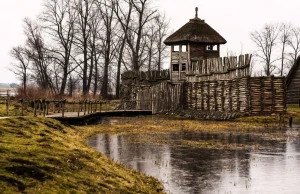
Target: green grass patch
(39, 155)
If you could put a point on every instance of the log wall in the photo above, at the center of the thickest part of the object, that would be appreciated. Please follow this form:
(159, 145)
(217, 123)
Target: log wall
(163, 97)
(251, 95)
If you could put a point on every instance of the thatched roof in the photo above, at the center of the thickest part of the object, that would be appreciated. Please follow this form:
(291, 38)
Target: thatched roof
(196, 31)
(292, 72)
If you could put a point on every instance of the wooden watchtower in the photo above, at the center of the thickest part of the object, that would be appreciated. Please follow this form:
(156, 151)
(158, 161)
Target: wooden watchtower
(194, 41)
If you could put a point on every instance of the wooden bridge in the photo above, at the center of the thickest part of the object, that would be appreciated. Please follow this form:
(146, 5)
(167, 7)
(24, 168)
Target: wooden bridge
(80, 112)
(73, 118)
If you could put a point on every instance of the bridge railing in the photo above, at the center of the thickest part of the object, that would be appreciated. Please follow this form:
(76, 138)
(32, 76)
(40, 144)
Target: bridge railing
(62, 108)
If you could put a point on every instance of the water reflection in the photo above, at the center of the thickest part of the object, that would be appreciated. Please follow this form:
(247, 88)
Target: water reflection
(274, 169)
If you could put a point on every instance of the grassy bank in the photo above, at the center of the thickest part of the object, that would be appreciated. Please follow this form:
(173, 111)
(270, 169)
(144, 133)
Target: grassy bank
(40, 155)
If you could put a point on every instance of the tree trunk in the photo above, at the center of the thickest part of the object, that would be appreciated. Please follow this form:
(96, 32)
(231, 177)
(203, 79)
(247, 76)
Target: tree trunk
(64, 79)
(119, 68)
(85, 66)
(25, 84)
(104, 88)
(96, 75)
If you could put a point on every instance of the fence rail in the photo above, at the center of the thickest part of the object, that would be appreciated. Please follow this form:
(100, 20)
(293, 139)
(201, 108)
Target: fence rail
(63, 107)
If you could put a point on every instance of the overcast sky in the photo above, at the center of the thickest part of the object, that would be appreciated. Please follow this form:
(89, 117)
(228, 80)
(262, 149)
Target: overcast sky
(233, 19)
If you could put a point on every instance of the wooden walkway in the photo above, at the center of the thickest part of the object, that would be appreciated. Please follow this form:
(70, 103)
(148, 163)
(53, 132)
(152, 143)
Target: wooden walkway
(73, 118)
(80, 112)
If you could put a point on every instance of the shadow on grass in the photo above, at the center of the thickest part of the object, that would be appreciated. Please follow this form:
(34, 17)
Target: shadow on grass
(13, 182)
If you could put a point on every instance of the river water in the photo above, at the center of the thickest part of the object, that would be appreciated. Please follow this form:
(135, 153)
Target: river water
(273, 168)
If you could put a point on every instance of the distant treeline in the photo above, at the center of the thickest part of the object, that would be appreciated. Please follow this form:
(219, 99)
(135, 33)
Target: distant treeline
(8, 85)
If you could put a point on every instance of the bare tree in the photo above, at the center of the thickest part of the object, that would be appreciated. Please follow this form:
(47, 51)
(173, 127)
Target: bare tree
(151, 50)
(126, 16)
(135, 33)
(58, 19)
(84, 10)
(92, 40)
(38, 53)
(107, 14)
(294, 43)
(162, 32)
(95, 50)
(265, 41)
(284, 36)
(21, 67)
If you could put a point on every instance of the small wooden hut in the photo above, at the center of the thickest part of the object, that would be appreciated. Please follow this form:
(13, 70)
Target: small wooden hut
(196, 40)
(293, 84)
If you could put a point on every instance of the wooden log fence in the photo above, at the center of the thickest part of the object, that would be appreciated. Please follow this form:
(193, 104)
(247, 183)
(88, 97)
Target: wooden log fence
(226, 68)
(252, 95)
(160, 98)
